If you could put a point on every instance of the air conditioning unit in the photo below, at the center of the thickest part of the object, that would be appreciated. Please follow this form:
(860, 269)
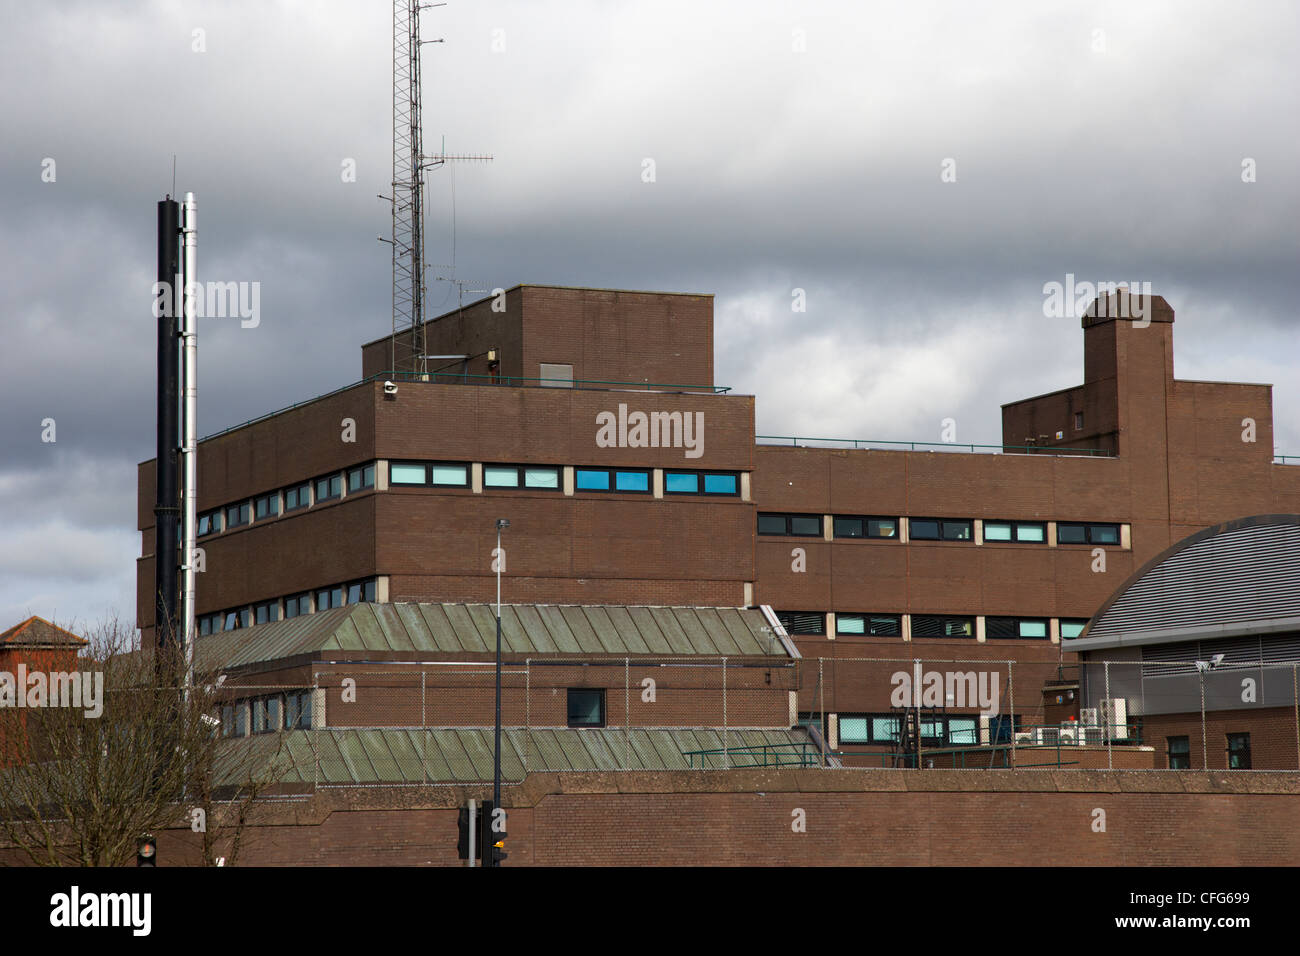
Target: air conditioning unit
(1024, 738)
(1114, 717)
(1091, 736)
(1069, 735)
(1047, 736)
(1088, 717)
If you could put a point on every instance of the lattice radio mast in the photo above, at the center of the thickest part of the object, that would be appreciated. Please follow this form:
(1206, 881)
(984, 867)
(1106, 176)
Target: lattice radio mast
(408, 205)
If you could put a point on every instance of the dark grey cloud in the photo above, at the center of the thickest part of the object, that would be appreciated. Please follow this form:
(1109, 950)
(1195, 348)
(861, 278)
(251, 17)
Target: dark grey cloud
(1101, 140)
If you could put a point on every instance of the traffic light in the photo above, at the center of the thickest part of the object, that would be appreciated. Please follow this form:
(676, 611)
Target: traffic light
(146, 851)
(498, 850)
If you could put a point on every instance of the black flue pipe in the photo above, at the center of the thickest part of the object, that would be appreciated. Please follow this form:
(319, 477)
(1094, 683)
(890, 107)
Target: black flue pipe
(167, 510)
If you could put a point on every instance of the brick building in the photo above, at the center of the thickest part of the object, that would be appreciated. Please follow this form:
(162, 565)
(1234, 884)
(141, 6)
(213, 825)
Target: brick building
(1202, 645)
(590, 419)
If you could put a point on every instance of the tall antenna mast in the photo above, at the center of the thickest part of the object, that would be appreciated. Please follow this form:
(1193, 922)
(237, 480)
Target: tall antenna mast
(409, 164)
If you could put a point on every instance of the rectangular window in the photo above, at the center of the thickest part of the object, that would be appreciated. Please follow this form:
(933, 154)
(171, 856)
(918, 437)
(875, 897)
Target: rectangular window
(360, 478)
(266, 612)
(854, 730)
(297, 710)
(1014, 627)
(586, 707)
(299, 496)
(632, 481)
(328, 488)
(241, 719)
(227, 720)
(500, 476)
(1073, 532)
(681, 483)
(237, 515)
(1002, 726)
(696, 482)
(541, 477)
(1071, 628)
(1238, 751)
(449, 475)
(963, 731)
(941, 529)
(934, 625)
(297, 604)
(406, 473)
(327, 598)
(871, 625)
(1179, 753)
(854, 527)
(1027, 531)
(361, 591)
(801, 526)
(274, 714)
(802, 622)
(236, 619)
(258, 705)
(209, 523)
(267, 506)
(869, 728)
(589, 479)
(1078, 421)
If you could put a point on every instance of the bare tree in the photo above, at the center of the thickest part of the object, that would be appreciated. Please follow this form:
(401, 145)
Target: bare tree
(81, 784)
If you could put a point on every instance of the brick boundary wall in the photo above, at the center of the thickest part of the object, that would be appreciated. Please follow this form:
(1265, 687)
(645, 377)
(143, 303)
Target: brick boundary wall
(744, 818)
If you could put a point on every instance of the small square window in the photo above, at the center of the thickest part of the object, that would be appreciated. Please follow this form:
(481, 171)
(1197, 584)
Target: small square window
(298, 496)
(237, 515)
(329, 488)
(361, 478)
(586, 707)
(854, 730)
(267, 506)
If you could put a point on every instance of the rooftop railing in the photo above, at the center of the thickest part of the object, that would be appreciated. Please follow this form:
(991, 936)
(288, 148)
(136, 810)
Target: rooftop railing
(967, 448)
(459, 378)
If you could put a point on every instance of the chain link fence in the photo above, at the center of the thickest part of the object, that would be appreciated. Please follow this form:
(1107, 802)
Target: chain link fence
(433, 723)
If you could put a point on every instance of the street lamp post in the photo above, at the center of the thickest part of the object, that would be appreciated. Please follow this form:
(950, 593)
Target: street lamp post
(490, 858)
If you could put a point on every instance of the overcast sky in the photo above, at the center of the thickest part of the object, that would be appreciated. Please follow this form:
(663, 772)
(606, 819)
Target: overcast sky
(795, 145)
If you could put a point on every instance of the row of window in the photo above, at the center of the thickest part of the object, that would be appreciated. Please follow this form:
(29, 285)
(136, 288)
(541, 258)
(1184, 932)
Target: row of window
(268, 714)
(937, 529)
(292, 498)
(937, 730)
(267, 612)
(1180, 752)
(926, 625)
(434, 474)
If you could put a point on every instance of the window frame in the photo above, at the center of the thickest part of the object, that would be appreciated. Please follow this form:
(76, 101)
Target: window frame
(789, 531)
(942, 529)
(273, 497)
(867, 618)
(329, 482)
(612, 476)
(395, 482)
(568, 714)
(297, 491)
(1183, 755)
(1014, 525)
(1089, 527)
(521, 477)
(1238, 743)
(793, 633)
(1018, 621)
(366, 481)
(1062, 622)
(944, 617)
(866, 522)
(214, 527)
(702, 483)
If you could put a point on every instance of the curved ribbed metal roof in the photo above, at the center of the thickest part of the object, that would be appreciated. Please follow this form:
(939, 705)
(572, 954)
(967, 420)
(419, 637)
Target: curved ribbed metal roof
(1241, 577)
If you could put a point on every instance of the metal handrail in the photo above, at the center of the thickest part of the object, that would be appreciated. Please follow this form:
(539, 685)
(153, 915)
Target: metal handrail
(458, 378)
(806, 755)
(1047, 450)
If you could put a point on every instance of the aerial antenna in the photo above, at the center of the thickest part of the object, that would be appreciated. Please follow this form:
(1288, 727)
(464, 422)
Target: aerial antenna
(408, 198)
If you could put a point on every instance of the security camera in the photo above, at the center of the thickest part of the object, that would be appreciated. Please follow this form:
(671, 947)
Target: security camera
(1216, 660)
(390, 388)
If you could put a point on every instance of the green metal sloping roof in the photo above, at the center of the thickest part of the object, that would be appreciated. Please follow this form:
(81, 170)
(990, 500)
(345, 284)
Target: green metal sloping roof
(464, 755)
(526, 629)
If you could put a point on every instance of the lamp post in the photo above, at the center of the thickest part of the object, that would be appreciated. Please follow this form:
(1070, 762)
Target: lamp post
(490, 858)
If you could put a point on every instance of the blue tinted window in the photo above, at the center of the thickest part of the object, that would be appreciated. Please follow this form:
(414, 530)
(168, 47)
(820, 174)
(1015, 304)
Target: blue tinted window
(719, 484)
(632, 480)
(685, 482)
(591, 480)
